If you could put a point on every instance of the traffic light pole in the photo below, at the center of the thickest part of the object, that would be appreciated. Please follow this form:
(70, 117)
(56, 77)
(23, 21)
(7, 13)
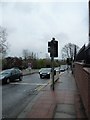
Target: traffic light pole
(52, 63)
(53, 50)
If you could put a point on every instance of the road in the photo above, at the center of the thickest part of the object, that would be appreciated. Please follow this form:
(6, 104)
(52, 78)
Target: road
(17, 95)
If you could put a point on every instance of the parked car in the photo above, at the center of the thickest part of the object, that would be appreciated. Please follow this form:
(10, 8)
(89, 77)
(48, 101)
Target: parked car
(6, 76)
(45, 73)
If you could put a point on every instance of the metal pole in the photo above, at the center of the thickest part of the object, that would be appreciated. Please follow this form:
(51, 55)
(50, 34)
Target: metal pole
(52, 60)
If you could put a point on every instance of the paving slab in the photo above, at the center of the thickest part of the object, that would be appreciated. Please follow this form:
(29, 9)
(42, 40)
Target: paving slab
(66, 108)
(64, 115)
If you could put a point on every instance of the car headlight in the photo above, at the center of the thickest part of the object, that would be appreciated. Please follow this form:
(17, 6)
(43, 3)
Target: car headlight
(2, 77)
(48, 73)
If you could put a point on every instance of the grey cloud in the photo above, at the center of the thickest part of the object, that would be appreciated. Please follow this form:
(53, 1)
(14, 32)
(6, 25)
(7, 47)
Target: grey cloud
(32, 25)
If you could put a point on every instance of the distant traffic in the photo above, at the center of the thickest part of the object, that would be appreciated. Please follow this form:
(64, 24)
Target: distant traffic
(45, 72)
(9, 75)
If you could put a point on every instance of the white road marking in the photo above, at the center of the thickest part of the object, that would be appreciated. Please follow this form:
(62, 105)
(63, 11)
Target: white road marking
(28, 83)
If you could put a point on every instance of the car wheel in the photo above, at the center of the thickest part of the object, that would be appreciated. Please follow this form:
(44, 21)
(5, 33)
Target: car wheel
(8, 81)
(49, 77)
(20, 78)
(40, 76)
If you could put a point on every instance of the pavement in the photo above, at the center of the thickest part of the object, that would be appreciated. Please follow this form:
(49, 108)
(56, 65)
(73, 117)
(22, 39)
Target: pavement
(63, 102)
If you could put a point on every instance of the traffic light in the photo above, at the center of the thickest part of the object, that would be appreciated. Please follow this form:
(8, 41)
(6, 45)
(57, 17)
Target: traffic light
(53, 48)
(49, 47)
(69, 60)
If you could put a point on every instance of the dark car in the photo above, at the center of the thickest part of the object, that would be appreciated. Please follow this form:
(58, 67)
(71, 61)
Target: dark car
(45, 73)
(6, 76)
(41, 70)
(57, 69)
(62, 70)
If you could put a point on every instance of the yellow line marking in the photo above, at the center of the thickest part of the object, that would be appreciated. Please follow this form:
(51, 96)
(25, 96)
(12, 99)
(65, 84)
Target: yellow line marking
(39, 88)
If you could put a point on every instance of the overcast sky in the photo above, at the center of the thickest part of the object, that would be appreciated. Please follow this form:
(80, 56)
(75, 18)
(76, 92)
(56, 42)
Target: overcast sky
(30, 25)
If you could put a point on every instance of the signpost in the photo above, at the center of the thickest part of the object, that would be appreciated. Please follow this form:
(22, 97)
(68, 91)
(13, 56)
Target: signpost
(53, 50)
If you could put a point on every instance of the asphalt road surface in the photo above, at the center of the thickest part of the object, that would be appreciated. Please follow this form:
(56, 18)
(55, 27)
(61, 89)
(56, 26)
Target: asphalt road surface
(17, 95)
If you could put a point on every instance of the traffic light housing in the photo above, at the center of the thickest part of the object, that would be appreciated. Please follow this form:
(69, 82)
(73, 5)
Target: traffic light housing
(69, 60)
(49, 47)
(53, 48)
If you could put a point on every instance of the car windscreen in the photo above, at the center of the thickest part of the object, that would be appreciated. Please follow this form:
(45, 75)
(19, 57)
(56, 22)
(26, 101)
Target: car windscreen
(5, 72)
(47, 70)
(41, 69)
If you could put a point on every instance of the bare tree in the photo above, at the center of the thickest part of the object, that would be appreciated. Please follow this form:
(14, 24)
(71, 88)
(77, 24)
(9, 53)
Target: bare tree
(25, 54)
(3, 41)
(69, 51)
(28, 55)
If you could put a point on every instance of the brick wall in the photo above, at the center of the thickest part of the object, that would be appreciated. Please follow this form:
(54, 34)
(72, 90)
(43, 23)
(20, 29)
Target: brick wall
(82, 77)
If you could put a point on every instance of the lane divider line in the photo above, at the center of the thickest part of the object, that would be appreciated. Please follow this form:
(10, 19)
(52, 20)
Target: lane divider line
(28, 83)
